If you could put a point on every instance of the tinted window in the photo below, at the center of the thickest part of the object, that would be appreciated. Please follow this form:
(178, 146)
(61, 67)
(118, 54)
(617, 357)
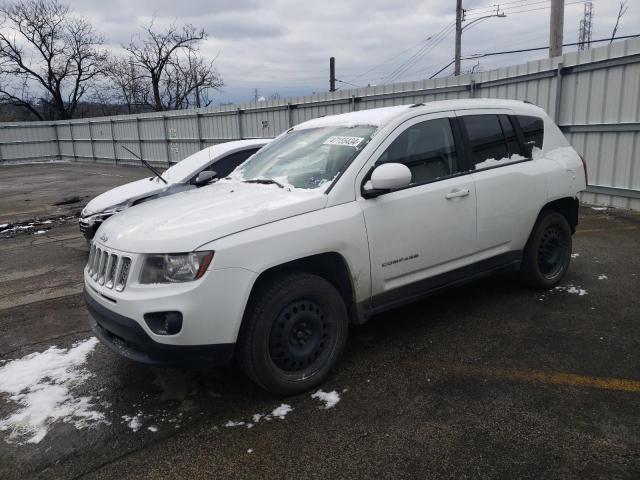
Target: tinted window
(532, 129)
(226, 165)
(510, 135)
(427, 148)
(486, 137)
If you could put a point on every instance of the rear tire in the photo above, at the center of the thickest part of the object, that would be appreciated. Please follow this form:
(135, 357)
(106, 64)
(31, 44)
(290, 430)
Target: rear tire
(548, 251)
(293, 333)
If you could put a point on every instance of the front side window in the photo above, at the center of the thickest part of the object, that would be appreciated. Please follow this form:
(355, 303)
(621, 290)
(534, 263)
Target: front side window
(226, 165)
(427, 148)
(308, 158)
(532, 129)
(492, 139)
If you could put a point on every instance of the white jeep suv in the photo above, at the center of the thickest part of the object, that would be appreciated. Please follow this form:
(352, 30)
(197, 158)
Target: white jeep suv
(336, 220)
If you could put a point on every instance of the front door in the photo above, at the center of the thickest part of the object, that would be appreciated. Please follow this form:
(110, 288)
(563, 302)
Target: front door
(429, 227)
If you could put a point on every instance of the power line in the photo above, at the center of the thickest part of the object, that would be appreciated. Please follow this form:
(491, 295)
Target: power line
(532, 49)
(395, 57)
(415, 57)
(348, 83)
(410, 62)
(492, 7)
(522, 50)
(542, 8)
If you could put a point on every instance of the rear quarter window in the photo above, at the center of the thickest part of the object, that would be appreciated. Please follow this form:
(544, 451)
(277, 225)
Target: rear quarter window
(532, 129)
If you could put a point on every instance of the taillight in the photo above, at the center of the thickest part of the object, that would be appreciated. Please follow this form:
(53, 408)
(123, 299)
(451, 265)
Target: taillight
(584, 165)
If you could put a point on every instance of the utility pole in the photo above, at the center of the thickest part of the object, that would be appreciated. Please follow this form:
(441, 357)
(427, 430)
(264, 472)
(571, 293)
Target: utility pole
(459, 14)
(556, 21)
(332, 74)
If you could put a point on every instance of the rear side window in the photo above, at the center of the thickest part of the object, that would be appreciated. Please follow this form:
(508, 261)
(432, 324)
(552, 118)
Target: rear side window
(427, 148)
(485, 137)
(513, 146)
(532, 129)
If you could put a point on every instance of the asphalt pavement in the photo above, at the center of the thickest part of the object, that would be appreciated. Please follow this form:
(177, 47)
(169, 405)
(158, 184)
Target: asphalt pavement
(491, 380)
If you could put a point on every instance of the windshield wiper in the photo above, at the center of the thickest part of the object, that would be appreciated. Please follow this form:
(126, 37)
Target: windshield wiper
(264, 181)
(147, 164)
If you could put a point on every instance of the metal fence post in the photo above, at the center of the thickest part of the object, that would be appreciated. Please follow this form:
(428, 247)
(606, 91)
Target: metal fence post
(113, 142)
(139, 136)
(289, 115)
(558, 96)
(353, 103)
(239, 114)
(93, 153)
(166, 139)
(199, 130)
(57, 140)
(73, 142)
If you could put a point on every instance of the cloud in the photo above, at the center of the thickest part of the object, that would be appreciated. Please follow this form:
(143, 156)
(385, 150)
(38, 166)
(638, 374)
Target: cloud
(285, 45)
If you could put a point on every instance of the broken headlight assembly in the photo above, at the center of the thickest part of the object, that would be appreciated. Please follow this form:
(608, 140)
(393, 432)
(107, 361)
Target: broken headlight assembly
(175, 267)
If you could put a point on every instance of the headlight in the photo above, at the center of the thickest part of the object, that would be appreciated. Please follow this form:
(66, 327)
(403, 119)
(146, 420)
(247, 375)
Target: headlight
(175, 267)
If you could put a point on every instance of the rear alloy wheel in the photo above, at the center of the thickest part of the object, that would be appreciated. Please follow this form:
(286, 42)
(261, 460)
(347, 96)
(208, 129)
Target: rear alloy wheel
(293, 334)
(548, 251)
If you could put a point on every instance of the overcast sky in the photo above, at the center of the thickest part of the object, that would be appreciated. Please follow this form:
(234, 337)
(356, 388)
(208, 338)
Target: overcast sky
(284, 46)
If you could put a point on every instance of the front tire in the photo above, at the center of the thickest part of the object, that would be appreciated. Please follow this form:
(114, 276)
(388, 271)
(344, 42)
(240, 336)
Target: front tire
(548, 251)
(293, 333)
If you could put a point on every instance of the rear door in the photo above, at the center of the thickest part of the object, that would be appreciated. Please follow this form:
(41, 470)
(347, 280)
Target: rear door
(429, 227)
(509, 184)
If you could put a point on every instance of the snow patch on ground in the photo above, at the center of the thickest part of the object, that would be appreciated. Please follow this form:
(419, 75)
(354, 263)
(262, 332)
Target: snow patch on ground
(572, 289)
(282, 411)
(602, 277)
(279, 412)
(231, 423)
(133, 422)
(330, 399)
(575, 255)
(599, 209)
(42, 384)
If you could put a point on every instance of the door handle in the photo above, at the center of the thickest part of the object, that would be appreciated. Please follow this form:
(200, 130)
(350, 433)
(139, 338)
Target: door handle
(457, 192)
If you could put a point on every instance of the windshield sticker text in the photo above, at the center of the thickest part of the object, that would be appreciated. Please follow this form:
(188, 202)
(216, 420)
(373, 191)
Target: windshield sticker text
(345, 141)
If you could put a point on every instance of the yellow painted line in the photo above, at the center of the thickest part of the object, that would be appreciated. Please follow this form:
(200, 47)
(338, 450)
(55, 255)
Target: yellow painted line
(593, 230)
(555, 378)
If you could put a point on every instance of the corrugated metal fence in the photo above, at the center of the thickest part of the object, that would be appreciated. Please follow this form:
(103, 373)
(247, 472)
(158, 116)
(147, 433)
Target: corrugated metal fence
(593, 95)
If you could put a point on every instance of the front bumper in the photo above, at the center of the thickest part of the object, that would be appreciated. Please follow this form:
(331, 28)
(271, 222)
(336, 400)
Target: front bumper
(127, 338)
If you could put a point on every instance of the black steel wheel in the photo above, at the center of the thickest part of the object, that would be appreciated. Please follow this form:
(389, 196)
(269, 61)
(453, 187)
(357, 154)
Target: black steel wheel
(293, 333)
(301, 335)
(547, 254)
(552, 251)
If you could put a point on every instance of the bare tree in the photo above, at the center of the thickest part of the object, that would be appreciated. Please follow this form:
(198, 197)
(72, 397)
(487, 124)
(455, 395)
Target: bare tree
(189, 79)
(170, 61)
(48, 57)
(621, 11)
(126, 84)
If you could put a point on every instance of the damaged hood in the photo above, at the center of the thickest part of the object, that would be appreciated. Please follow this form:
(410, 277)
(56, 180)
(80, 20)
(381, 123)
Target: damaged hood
(129, 192)
(187, 220)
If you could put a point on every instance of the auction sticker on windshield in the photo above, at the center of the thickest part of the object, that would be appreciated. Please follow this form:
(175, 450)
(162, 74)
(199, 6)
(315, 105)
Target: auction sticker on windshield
(346, 141)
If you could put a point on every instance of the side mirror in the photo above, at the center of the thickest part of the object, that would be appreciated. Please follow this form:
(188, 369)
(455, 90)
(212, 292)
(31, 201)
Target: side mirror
(385, 177)
(204, 177)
